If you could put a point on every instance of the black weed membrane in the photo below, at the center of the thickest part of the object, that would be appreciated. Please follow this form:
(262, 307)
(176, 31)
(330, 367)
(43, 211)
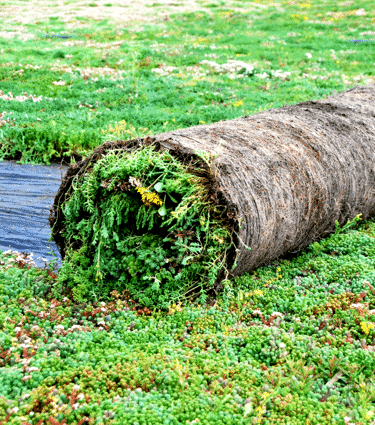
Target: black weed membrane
(171, 217)
(26, 196)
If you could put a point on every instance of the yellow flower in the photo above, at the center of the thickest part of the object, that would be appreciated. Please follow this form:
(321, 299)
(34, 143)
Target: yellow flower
(149, 198)
(260, 410)
(141, 190)
(174, 308)
(366, 327)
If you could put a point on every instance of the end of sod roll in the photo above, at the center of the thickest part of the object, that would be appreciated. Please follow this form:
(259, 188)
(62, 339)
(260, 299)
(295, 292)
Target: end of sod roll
(144, 222)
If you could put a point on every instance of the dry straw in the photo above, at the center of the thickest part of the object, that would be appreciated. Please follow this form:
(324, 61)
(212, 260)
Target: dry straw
(286, 175)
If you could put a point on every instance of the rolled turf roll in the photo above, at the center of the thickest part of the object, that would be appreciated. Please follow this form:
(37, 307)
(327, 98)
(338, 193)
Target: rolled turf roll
(171, 216)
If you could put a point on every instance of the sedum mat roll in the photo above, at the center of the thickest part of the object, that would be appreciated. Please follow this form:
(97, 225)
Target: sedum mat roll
(283, 177)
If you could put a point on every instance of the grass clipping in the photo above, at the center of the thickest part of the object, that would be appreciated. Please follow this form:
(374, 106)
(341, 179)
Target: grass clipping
(143, 221)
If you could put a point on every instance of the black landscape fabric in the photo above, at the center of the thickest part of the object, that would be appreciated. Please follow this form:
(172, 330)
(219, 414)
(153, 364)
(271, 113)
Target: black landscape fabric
(286, 175)
(26, 196)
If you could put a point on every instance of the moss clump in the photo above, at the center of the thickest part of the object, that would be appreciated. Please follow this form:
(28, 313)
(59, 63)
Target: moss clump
(143, 221)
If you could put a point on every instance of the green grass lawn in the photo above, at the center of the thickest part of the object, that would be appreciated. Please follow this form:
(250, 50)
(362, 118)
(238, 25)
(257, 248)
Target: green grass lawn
(291, 343)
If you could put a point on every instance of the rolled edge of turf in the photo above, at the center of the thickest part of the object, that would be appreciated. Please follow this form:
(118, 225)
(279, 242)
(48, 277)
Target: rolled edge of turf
(285, 175)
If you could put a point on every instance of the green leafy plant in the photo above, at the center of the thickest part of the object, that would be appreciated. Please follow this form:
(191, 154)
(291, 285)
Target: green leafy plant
(143, 223)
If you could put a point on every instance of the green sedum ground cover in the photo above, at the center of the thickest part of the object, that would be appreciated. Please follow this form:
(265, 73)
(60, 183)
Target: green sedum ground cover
(62, 97)
(291, 343)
